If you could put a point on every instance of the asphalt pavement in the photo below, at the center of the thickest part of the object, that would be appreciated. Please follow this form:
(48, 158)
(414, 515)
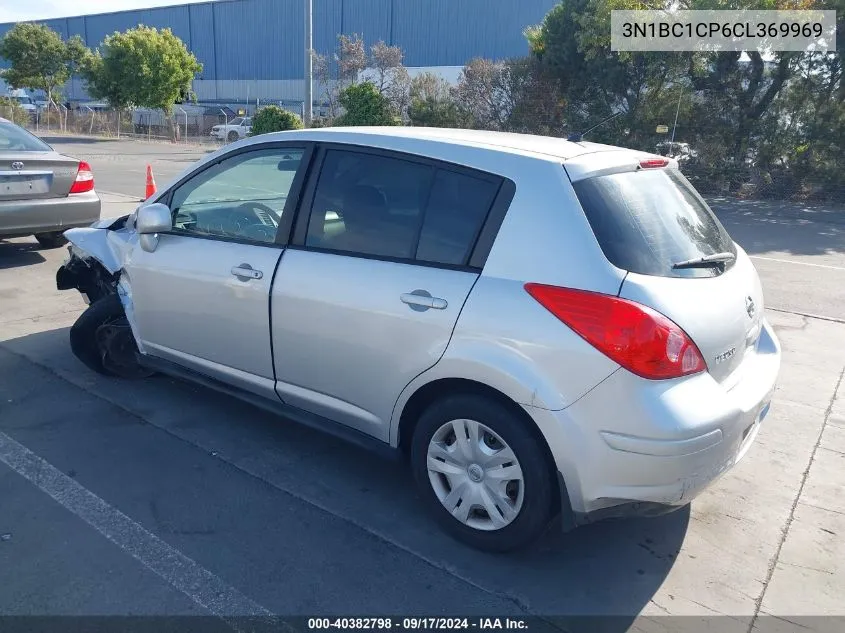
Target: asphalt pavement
(158, 497)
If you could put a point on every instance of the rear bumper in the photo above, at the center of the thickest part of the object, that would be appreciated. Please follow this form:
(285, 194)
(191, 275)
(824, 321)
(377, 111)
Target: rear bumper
(637, 447)
(27, 217)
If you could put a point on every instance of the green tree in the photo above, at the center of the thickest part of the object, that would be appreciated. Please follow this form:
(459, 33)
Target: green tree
(144, 67)
(39, 59)
(432, 104)
(272, 118)
(365, 105)
(572, 45)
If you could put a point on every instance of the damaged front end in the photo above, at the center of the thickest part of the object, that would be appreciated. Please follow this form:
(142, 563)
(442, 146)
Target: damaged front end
(104, 336)
(95, 258)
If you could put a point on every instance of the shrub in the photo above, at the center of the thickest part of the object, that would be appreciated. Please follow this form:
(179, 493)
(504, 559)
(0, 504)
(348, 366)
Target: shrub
(365, 105)
(272, 118)
(432, 104)
(13, 111)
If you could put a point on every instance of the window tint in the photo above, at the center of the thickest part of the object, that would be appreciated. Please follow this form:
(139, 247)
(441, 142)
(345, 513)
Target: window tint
(648, 220)
(368, 204)
(242, 197)
(456, 210)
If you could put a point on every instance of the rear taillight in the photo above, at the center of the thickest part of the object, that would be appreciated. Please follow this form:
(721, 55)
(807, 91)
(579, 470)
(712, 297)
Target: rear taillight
(651, 163)
(84, 179)
(640, 339)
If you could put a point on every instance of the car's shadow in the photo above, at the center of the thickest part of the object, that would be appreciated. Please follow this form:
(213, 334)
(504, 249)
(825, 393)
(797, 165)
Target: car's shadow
(612, 568)
(17, 254)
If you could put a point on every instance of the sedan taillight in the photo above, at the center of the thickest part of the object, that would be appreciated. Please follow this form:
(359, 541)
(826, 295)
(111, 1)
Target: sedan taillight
(640, 339)
(84, 179)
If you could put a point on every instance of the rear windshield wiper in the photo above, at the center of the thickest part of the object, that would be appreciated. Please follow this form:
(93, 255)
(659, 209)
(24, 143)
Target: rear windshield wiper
(716, 259)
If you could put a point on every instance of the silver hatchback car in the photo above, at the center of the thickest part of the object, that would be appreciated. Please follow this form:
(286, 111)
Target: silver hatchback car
(541, 327)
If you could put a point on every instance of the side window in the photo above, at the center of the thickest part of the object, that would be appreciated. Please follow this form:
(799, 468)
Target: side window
(457, 209)
(241, 197)
(369, 204)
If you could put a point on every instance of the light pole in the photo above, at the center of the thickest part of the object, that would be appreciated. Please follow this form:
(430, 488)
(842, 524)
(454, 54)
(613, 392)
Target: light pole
(309, 66)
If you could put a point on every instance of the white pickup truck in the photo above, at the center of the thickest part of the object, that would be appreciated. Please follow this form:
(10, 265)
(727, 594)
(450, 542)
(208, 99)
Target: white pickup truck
(234, 130)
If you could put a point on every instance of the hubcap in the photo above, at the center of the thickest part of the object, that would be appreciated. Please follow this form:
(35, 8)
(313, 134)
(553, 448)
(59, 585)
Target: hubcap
(475, 475)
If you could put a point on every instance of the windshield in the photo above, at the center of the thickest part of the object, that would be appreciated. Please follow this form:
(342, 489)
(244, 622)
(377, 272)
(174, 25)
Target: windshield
(647, 221)
(23, 100)
(14, 138)
(237, 121)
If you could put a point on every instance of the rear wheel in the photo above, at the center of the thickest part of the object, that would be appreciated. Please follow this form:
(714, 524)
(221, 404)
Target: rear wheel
(482, 472)
(51, 240)
(102, 339)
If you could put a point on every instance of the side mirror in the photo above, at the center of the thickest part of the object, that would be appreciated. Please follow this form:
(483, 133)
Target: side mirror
(151, 220)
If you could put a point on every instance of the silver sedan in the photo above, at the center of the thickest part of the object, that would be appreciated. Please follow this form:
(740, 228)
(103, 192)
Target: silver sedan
(42, 192)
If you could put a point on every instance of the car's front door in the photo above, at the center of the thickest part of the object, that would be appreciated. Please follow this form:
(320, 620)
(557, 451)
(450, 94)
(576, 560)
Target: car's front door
(201, 298)
(367, 295)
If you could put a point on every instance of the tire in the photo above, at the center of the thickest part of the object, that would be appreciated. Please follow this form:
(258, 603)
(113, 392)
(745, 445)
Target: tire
(51, 240)
(232, 137)
(533, 507)
(104, 353)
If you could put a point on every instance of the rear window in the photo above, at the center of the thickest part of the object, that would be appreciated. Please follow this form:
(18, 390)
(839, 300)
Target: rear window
(646, 221)
(14, 138)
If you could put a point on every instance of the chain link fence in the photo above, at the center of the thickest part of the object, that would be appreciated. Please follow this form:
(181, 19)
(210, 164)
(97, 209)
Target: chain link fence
(701, 148)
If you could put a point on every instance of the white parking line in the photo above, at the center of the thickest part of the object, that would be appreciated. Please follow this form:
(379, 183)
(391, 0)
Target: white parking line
(181, 572)
(791, 261)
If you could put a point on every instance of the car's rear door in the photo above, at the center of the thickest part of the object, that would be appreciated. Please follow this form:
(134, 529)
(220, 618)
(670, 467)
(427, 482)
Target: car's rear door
(651, 222)
(201, 299)
(368, 294)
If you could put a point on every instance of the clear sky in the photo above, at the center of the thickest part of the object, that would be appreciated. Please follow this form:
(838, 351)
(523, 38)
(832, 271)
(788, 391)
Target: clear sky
(17, 10)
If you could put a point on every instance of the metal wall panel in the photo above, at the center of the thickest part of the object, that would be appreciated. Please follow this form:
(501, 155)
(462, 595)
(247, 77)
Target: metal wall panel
(419, 28)
(455, 31)
(202, 27)
(327, 22)
(59, 26)
(99, 26)
(174, 18)
(264, 39)
(259, 39)
(76, 26)
(242, 91)
(368, 18)
(496, 28)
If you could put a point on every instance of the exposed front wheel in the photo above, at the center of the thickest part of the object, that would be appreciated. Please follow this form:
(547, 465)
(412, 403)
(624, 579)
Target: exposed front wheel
(51, 240)
(102, 339)
(233, 136)
(482, 472)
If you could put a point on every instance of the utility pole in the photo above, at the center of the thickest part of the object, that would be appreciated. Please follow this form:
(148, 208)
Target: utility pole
(307, 107)
(674, 127)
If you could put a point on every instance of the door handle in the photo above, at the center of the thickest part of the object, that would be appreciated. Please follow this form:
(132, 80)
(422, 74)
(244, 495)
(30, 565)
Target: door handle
(245, 272)
(421, 300)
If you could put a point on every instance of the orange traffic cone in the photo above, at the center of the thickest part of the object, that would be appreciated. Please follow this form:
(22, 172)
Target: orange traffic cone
(151, 184)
